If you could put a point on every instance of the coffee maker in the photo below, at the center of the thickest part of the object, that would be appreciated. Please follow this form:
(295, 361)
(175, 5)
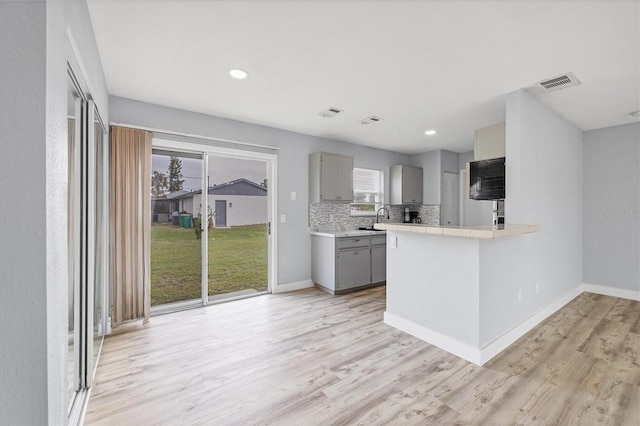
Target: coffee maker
(406, 217)
(414, 218)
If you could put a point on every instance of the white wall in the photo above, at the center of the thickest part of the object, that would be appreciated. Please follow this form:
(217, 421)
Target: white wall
(611, 204)
(294, 241)
(33, 170)
(544, 187)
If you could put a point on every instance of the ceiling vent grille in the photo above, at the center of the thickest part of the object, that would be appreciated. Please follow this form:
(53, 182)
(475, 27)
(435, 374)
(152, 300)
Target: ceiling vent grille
(559, 82)
(369, 120)
(330, 112)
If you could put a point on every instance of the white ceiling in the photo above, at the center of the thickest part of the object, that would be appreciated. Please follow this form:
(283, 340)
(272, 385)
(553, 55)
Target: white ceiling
(419, 65)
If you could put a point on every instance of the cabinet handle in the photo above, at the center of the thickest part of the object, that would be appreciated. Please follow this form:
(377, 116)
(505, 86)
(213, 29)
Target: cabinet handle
(355, 241)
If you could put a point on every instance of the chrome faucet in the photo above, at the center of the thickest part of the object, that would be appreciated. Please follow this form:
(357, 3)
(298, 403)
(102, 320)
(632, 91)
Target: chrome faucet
(378, 214)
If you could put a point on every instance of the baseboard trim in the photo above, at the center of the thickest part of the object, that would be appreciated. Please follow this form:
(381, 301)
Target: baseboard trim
(501, 343)
(298, 285)
(611, 291)
(451, 345)
(480, 356)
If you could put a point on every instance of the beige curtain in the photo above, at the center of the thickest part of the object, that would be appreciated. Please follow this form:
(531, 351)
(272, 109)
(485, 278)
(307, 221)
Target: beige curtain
(130, 224)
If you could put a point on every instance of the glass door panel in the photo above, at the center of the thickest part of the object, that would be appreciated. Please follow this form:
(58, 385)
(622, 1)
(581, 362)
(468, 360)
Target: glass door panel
(101, 234)
(237, 221)
(74, 119)
(176, 246)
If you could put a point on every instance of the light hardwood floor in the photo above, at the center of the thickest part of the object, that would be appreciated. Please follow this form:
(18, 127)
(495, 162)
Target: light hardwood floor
(311, 358)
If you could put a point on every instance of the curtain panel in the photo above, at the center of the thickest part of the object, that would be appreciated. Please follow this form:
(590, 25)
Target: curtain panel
(130, 224)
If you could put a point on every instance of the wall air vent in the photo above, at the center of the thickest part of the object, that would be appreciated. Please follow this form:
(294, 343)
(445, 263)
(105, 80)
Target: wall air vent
(559, 82)
(369, 120)
(330, 112)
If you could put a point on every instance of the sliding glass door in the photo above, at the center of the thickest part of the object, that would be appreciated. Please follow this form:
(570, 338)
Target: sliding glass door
(211, 236)
(87, 231)
(238, 214)
(176, 245)
(75, 104)
(87, 239)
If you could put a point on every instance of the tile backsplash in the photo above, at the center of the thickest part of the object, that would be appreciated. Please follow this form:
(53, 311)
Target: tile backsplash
(320, 215)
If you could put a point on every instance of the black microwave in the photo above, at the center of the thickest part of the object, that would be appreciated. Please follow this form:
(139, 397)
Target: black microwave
(487, 179)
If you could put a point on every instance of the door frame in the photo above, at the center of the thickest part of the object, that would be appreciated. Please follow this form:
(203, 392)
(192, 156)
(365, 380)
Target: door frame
(271, 160)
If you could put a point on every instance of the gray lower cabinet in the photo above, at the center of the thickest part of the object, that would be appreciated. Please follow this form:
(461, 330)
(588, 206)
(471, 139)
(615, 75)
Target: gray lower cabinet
(379, 263)
(345, 264)
(353, 268)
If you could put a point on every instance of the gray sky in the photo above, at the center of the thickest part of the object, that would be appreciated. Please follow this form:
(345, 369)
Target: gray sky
(221, 170)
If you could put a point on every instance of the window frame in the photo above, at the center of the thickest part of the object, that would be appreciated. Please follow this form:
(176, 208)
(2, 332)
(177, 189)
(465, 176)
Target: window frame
(377, 205)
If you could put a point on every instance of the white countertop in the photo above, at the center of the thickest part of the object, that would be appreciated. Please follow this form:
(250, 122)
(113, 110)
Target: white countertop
(485, 232)
(351, 233)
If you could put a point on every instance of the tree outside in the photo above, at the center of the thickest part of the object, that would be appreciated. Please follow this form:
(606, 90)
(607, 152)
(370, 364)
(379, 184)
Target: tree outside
(159, 184)
(175, 175)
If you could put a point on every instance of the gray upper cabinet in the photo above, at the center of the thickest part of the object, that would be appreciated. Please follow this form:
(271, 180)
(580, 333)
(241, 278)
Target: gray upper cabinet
(406, 185)
(330, 178)
(489, 142)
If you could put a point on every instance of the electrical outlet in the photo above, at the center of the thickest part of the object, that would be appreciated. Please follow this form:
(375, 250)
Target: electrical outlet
(332, 218)
(283, 218)
(519, 296)
(293, 195)
(537, 287)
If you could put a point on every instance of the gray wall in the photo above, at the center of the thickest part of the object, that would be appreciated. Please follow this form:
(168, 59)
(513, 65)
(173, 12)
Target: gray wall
(433, 164)
(431, 175)
(476, 212)
(23, 305)
(544, 187)
(33, 170)
(449, 161)
(434, 283)
(294, 241)
(611, 204)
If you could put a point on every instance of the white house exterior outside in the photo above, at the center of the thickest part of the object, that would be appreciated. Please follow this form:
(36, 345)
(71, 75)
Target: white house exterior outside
(236, 203)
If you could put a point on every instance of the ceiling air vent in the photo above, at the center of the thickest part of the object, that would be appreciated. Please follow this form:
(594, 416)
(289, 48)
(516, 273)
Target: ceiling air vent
(330, 112)
(560, 82)
(369, 120)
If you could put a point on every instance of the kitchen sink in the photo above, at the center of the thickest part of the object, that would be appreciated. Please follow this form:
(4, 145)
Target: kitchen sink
(370, 229)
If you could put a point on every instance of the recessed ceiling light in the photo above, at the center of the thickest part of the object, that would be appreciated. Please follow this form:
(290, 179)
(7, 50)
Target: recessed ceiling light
(238, 73)
(430, 132)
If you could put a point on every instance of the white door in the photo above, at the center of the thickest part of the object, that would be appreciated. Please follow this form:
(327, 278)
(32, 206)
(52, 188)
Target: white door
(449, 207)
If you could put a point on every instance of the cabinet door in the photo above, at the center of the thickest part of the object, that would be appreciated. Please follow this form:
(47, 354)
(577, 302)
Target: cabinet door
(344, 188)
(489, 142)
(354, 268)
(411, 185)
(346, 270)
(329, 177)
(363, 266)
(378, 264)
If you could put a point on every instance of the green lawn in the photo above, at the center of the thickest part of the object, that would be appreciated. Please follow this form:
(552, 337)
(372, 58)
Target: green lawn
(237, 261)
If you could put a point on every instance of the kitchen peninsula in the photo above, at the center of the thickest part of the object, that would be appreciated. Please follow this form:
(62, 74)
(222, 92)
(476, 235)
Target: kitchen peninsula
(449, 285)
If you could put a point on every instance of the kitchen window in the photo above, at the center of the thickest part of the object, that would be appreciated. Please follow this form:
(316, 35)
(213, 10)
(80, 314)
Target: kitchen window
(367, 192)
